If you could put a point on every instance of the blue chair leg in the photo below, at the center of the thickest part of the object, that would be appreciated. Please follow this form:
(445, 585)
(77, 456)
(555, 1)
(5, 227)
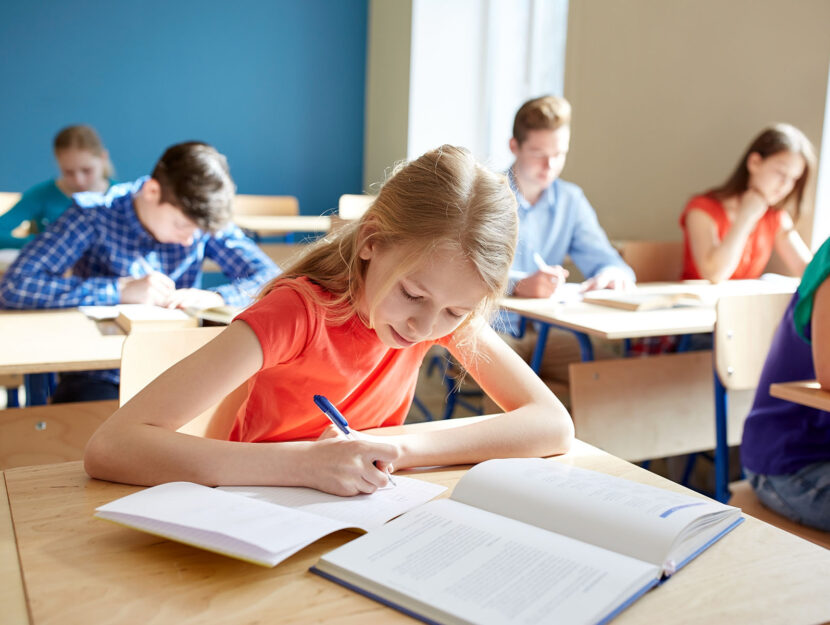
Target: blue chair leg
(721, 444)
(422, 407)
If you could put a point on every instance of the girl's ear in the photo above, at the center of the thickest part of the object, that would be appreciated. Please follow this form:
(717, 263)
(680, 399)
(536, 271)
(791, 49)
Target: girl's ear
(753, 161)
(368, 244)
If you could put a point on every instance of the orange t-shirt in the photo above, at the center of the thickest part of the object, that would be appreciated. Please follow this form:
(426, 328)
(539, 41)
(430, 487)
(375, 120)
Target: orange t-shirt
(303, 355)
(758, 246)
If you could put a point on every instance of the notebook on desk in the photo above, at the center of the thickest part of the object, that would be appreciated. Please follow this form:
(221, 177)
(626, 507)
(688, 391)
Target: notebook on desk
(634, 300)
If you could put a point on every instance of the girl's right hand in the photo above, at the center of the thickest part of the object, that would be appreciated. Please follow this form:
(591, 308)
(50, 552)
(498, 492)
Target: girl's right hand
(344, 466)
(752, 205)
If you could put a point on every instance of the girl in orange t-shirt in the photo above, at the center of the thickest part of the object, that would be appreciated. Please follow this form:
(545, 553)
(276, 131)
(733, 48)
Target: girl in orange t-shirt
(731, 230)
(351, 320)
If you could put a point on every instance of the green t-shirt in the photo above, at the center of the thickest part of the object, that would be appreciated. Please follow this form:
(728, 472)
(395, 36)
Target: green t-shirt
(42, 205)
(815, 274)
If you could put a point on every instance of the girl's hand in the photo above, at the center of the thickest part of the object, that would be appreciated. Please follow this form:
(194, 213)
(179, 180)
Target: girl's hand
(349, 466)
(752, 205)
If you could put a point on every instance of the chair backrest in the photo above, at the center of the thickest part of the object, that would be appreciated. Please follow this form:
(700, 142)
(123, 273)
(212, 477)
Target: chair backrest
(7, 200)
(743, 334)
(266, 205)
(148, 354)
(353, 206)
(654, 261)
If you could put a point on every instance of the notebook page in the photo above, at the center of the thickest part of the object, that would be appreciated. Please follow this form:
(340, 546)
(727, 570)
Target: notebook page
(363, 511)
(194, 514)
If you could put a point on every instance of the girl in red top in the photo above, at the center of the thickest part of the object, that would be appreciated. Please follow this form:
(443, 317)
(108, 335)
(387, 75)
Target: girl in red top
(352, 320)
(731, 230)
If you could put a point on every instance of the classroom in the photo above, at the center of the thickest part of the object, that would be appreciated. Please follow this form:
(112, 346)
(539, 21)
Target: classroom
(508, 286)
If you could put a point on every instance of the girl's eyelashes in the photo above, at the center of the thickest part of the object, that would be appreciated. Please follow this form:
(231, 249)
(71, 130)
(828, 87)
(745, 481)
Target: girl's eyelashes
(409, 295)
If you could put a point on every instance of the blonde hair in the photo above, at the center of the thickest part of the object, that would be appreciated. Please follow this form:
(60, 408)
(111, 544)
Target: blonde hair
(444, 199)
(84, 138)
(546, 113)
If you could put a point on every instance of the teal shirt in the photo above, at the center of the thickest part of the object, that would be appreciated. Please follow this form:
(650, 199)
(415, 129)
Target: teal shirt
(42, 205)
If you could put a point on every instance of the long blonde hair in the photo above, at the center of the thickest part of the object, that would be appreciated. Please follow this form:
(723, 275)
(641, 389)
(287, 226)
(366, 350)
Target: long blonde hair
(445, 198)
(84, 138)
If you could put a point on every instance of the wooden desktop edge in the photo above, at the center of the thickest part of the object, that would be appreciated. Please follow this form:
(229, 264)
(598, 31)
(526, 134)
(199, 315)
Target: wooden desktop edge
(12, 594)
(806, 392)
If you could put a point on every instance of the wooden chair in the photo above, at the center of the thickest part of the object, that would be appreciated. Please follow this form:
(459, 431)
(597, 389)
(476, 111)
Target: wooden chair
(743, 333)
(49, 434)
(744, 498)
(7, 200)
(266, 205)
(148, 354)
(351, 207)
(654, 261)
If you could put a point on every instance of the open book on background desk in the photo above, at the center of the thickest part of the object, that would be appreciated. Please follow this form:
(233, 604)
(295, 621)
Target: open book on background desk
(530, 541)
(641, 300)
(141, 316)
(263, 525)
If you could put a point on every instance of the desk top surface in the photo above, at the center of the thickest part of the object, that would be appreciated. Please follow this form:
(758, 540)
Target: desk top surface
(613, 323)
(283, 224)
(78, 569)
(35, 341)
(807, 392)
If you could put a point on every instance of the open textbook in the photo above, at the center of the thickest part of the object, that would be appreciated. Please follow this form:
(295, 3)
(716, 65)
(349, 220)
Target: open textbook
(263, 525)
(529, 541)
(644, 300)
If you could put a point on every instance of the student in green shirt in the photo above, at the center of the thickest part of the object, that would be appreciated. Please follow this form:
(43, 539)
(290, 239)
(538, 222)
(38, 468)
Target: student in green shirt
(84, 165)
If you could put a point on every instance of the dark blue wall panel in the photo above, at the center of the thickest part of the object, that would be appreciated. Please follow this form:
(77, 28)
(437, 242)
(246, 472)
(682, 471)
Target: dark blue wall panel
(277, 85)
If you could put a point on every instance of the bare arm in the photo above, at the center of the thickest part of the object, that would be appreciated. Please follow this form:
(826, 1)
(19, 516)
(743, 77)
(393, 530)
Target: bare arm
(791, 247)
(139, 444)
(820, 328)
(717, 260)
(535, 422)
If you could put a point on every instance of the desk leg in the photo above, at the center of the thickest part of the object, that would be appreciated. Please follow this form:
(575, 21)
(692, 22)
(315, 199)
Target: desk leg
(539, 352)
(721, 444)
(586, 349)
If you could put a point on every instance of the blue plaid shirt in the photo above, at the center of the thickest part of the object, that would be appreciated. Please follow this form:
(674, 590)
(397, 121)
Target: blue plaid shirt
(100, 239)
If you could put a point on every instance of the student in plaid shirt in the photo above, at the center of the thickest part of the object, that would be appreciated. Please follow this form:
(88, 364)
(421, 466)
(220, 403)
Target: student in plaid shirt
(141, 243)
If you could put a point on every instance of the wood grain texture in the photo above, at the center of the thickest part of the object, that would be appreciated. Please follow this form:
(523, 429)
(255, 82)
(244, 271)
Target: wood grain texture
(78, 569)
(49, 434)
(807, 393)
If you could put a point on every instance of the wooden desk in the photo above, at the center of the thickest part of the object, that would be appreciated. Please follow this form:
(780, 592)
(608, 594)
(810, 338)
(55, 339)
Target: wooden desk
(267, 225)
(36, 341)
(78, 569)
(808, 393)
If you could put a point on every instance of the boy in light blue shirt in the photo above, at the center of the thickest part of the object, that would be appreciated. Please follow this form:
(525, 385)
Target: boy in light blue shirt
(555, 217)
(555, 220)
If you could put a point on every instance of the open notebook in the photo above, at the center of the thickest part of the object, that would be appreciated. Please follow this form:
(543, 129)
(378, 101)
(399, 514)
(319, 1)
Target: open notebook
(260, 524)
(530, 541)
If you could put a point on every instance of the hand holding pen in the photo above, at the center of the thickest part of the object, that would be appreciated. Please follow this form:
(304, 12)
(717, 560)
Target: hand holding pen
(544, 282)
(152, 288)
(339, 421)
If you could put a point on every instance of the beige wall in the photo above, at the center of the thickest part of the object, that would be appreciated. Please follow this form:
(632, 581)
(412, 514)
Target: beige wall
(387, 88)
(668, 93)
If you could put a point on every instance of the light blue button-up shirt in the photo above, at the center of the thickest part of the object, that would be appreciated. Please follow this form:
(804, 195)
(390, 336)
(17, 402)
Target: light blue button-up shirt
(561, 223)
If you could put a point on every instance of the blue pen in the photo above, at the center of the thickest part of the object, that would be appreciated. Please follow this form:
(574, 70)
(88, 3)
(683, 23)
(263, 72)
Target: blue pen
(335, 416)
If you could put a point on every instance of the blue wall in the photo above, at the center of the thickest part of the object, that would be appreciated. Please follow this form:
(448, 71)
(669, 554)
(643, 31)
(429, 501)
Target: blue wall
(277, 85)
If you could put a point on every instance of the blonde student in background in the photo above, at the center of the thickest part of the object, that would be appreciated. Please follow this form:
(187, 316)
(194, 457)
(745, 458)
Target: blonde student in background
(351, 320)
(84, 165)
(731, 230)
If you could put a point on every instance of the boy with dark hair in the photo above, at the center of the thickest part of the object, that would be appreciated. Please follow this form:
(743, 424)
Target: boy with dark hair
(141, 243)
